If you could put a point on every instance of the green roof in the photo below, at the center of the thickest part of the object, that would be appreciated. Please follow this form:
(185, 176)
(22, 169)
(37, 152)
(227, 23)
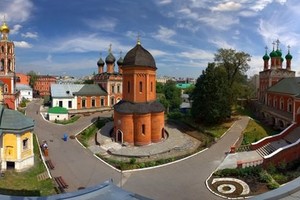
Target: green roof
(58, 110)
(287, 85)
(183, 85)
(13, 121)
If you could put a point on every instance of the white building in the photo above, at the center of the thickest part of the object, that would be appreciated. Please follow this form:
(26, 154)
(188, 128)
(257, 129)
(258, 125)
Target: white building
(63, 95)
(25, 91)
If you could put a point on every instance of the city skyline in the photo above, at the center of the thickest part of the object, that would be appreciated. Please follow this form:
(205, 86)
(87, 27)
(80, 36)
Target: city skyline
(183, 36)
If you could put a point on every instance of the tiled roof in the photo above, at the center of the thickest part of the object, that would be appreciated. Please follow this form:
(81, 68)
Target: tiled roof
(64, 90)
(90, 90)
(287, 86)
(138, 108)
(14, 122)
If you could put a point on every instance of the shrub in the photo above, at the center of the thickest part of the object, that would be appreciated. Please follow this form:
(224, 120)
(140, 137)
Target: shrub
(273, 185)
(265, 177)
(175, 115)
(132, 161)
(280, 178)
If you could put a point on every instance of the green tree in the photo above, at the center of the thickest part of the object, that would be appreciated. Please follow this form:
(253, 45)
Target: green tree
(210, 96)
(33, 77)
(159, 87)
(172, 94)
(189, 90)
(235, 64)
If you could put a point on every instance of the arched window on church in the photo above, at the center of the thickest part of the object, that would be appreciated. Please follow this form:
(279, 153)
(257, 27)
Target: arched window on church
(2, 49)
(269, 100)
(281, 104)
(128, 86)
(2, 65)
(151, 86)
(9, 65)
(141, 86)
(290, 105)
(275, 102)
(8, 49)
(5, 88)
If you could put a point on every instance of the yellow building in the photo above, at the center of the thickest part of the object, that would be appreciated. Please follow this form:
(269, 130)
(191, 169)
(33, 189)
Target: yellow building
(16, 140)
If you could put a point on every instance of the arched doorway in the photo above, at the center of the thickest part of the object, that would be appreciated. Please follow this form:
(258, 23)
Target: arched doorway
(163, 133)
(119, 136)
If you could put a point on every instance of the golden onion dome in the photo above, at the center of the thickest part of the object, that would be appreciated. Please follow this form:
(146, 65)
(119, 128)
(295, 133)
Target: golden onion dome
(4, 28)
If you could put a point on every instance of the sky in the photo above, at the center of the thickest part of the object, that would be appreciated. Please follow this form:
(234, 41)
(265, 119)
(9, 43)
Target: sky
(67, 37)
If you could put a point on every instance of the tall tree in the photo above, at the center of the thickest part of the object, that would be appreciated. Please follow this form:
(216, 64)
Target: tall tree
(210, 97)
(235, 63)
(33, 77)
(172, 94)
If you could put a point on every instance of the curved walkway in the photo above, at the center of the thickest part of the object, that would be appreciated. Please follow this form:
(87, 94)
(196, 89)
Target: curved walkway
(79, 168)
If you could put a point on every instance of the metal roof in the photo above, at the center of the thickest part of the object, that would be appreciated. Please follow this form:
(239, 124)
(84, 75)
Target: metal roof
(13, 121)
(287, 85)
(64, 90)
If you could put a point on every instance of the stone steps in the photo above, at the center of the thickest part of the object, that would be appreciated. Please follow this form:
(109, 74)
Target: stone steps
(266, 150)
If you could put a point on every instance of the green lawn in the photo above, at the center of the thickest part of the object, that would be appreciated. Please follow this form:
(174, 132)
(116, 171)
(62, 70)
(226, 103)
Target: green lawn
(26, 183)
(256, 131)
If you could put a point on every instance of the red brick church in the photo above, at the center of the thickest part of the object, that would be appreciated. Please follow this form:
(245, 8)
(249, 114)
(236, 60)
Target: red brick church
(7, 69)
(138, 117)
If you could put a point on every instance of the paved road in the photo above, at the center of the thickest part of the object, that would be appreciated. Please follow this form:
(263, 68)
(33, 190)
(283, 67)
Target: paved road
(182, 180)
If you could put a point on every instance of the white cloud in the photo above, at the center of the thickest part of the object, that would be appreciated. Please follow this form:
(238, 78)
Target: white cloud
(219, 21)
(221, 43)
(22, 44)
(157, 53)
(49, 58)
(87, 43)
(104, 24)
(30, 35)
(164, 2)
(16, 10)
(227, 6)
(15, 29)
(165, 34)
(197, 54)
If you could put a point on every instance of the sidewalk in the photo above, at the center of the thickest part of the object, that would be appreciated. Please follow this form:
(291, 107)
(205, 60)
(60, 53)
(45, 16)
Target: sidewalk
(176, 142)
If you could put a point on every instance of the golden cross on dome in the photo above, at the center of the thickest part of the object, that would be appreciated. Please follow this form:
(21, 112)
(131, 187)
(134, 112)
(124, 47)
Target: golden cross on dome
(266, 48)
(289, 47)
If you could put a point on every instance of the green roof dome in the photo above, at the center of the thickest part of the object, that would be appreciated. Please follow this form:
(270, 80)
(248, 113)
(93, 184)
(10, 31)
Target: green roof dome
(288, 56)
(266, 57)
(278, 52)
(273, 54)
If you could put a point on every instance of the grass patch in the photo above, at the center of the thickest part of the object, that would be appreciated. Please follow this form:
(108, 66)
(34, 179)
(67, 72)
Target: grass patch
(69, 121)
(89, 132)
(256, 131)
(26, 183)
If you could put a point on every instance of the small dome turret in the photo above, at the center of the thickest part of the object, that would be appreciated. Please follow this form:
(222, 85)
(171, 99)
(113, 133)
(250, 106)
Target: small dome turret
(100, 62)
(273, 54)
(4, 28)
(266, 57)
(288, 55)
(120, 61)
(110, 58)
